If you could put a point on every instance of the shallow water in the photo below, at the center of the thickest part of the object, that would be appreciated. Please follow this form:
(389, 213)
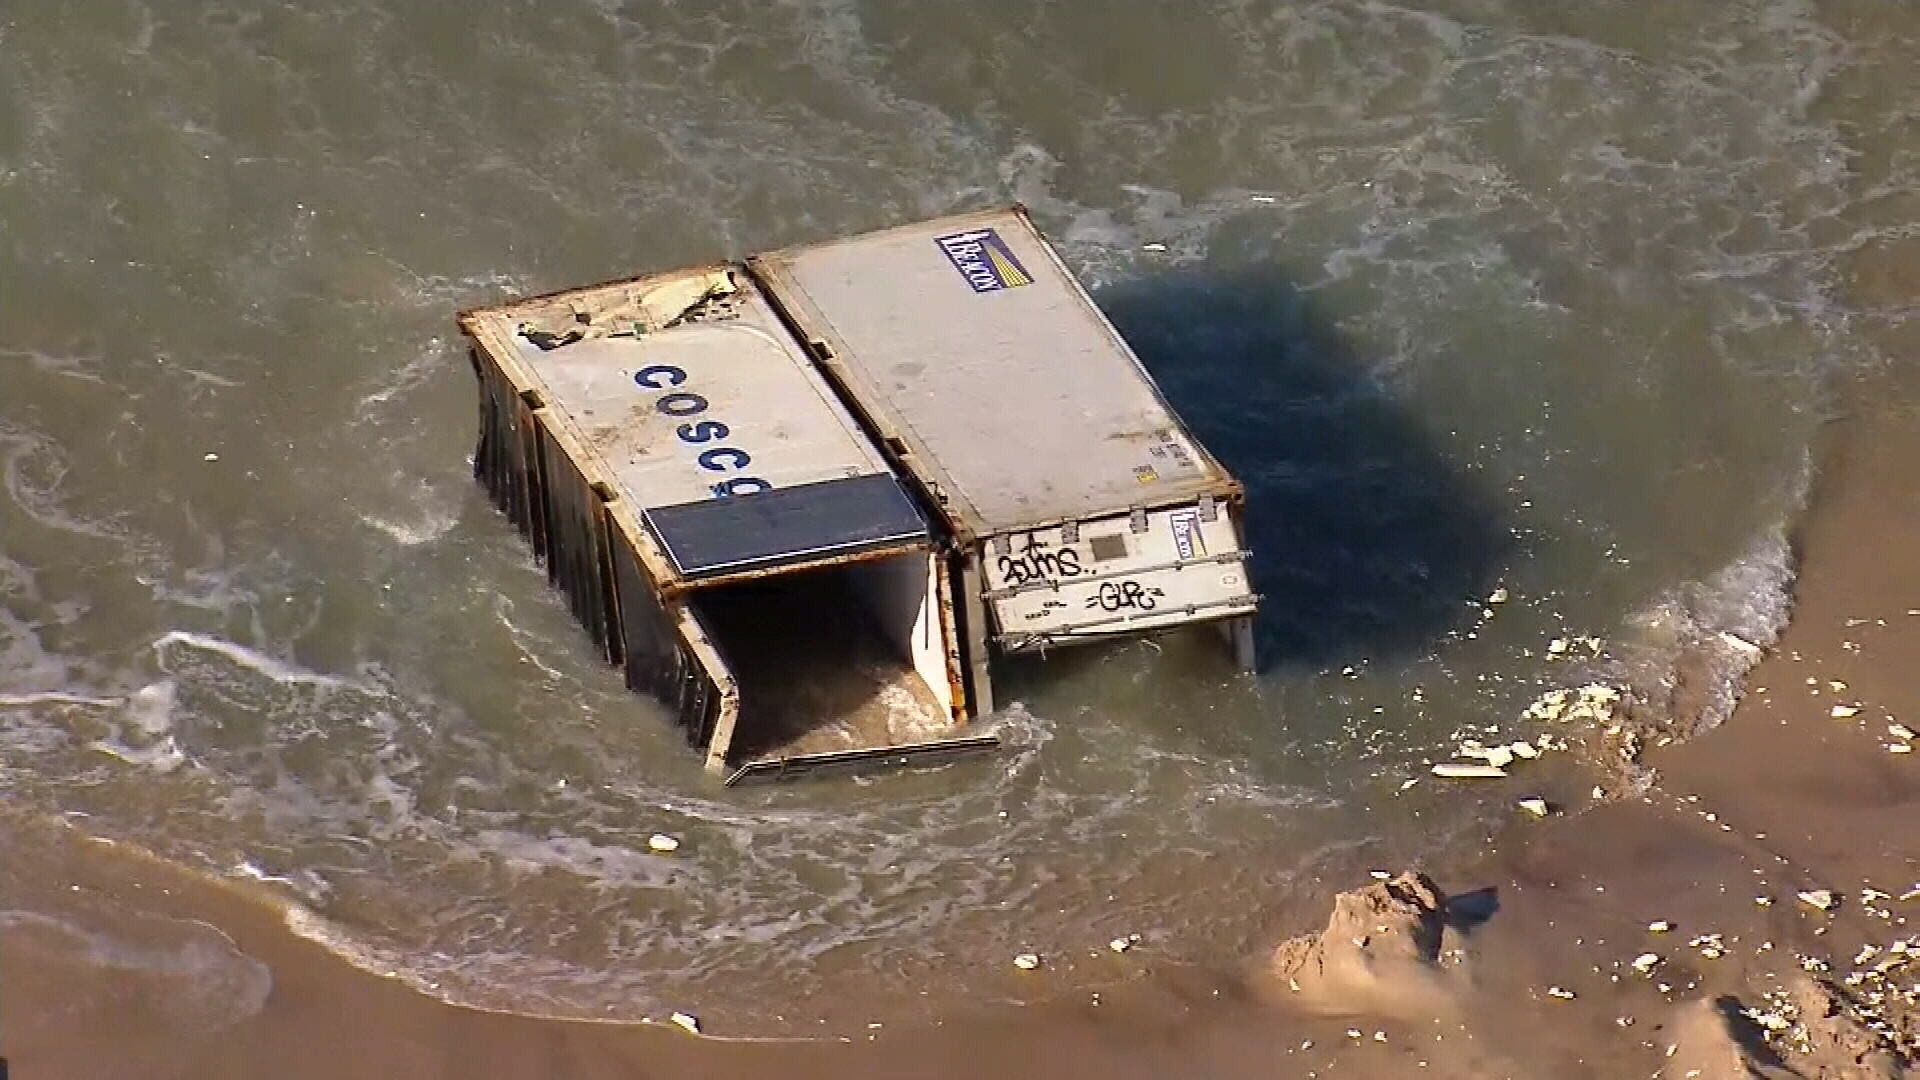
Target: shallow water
(1473, 294)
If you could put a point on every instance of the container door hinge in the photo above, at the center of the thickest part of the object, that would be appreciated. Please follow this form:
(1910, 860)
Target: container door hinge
(1208, 511)
(1139, 519)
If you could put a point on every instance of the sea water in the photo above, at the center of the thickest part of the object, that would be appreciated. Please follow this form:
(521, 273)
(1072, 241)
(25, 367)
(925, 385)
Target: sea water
(1473, 295)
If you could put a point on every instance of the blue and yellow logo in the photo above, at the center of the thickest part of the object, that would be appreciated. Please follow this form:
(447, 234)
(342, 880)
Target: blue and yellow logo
(984, 260)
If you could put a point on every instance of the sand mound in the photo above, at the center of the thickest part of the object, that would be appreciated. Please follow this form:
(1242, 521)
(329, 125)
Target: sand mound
(1382, 952)
(1806, 1032)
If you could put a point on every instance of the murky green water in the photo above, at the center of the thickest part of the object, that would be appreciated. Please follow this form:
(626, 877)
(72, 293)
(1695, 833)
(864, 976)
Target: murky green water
(1473, 294)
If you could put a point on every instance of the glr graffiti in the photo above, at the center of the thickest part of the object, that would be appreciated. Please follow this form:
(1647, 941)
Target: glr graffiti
(1117, 596)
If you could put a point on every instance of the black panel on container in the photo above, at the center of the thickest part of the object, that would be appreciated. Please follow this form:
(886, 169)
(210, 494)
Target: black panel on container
(787, 526)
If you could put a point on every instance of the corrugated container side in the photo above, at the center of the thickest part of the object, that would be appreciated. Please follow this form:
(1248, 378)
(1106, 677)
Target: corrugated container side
(523, 462)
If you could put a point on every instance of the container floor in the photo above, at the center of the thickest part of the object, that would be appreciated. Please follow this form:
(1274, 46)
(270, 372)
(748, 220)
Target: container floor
(815, 674)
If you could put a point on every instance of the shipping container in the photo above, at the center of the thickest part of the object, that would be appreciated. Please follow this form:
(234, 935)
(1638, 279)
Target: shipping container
(1080, 506)
(721, 524)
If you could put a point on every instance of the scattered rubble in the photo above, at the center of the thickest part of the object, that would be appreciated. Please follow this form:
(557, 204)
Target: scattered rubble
(1822, 899)
(1812, 1030)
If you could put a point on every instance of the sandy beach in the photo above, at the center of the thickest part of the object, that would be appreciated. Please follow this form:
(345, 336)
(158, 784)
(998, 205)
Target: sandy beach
(1619, 939)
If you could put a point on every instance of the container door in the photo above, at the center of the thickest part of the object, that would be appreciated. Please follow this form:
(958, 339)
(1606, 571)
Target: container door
(1117, 575)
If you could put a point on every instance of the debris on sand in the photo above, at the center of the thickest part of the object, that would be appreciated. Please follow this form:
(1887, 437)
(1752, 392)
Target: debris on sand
(1822, 899)
(1810, 1029)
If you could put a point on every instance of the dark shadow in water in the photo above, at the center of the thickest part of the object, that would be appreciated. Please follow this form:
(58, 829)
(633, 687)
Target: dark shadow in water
(1467, 911)
(1366, 542)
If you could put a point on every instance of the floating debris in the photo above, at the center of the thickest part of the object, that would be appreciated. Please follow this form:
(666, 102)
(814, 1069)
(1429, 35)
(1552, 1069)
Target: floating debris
(1560, 992)
(1645, 962)
(1525, 749)
(1740, 643)
(1498, 596)
(1899, 748)
(1536, 807)
(1026, 961)
(1122, 944)
(1819, 898)
(1594, 702)
(686, 1022)
(1844, 712)
(1454, 770)
(1558, 646)
(1901, 731)
(663, 843)
(1659, 926)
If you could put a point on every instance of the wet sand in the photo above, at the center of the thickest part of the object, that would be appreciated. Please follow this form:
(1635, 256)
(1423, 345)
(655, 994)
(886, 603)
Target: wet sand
(1784, 798)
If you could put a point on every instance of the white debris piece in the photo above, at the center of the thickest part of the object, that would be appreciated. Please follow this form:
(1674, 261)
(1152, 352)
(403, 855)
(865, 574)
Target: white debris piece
(210, 456)
(1844, 712)
(1740, 643)
(1499, 756)
(1593, 702)
(1560, 992)
(1659, 926)
(1899, 748)
(1026, 961)
(1558, 646)
(1901, 731)
(663, 843)
(686, 1022)
(1818, 898)
(1122, 944)
(1454, 770)
(1498, 596)
(1536, 807)
(1524, 750)
(1646, 962)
